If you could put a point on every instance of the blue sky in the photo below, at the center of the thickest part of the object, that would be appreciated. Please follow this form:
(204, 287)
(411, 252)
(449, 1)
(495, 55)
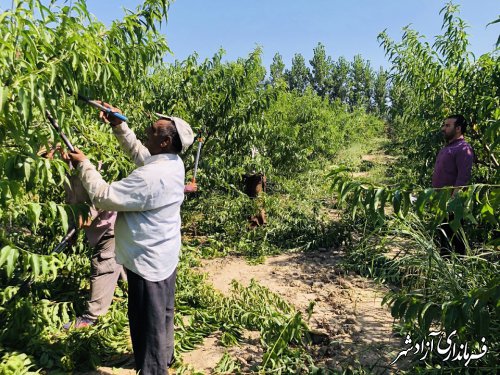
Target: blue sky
(346, 28)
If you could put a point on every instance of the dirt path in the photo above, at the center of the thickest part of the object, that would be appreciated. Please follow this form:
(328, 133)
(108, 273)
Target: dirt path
(348, 315)
(351, 325)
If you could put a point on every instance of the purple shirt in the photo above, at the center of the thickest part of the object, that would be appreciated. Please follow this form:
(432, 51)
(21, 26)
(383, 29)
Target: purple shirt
(453, 164)
(104, 222)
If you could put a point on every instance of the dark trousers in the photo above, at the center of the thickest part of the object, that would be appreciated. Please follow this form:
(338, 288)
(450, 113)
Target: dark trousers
(151, 319)
(450, 241)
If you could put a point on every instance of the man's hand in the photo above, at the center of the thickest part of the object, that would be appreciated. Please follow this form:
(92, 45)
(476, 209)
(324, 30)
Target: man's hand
(50, 153)
(110, 119)
(84, 224)
(77, 157)
(190, 188)
(64, 155)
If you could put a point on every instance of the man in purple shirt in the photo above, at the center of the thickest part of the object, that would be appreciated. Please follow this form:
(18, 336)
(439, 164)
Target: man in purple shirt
(453, 168)
(454, 161)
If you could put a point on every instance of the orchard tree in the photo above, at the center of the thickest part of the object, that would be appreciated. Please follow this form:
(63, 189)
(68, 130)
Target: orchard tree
(361, 78)
(50, 54)
(225, 101)
(431, 82)
(51, 51)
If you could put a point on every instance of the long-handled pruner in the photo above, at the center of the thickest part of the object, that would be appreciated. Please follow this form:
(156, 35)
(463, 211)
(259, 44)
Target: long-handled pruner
(99, 106)
(192, 187)
(62, 245)
(65, 241)
(56, 126)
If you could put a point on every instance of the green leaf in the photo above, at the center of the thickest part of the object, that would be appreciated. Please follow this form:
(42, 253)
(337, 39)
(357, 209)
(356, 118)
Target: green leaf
(456, 208)
(488, 213)
(8, 256)
(4, 253)
(34, 210)
(337, 170)
(61, 170)
(32, 87)
(405, 206)
(344, 190)
(380, 199)
(63, 215)
(396, 202)
(422, 199)
(53, 73)
(429, 313)
(52, 209)
(44, 265)
(35, 264)
(27, 170)
(493, 22)
(41, 99)
(4, 96)
(396, 307)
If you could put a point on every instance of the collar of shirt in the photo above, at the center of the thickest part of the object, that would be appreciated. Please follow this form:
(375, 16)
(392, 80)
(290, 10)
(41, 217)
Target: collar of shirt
(156, 157)
(461, 138)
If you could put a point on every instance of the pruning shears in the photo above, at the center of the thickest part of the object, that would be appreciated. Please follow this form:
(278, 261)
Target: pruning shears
(99, 106)
(65, 241)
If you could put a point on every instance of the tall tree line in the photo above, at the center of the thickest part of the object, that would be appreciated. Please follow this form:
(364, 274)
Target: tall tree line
(354, 83)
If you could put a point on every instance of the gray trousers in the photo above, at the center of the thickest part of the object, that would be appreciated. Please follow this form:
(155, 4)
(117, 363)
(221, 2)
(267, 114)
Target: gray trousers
(105, 273)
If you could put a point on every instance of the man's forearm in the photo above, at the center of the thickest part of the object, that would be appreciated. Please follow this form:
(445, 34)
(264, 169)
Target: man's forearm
(130, 144)
(128, 194)
(91, 179)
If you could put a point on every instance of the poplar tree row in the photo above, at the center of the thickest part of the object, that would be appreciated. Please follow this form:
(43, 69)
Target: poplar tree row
(354, 82)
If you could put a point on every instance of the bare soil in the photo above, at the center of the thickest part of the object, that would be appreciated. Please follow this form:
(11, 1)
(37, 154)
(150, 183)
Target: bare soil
(350, 324)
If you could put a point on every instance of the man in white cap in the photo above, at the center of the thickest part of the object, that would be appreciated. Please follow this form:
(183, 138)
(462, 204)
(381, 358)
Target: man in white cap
(147, 230)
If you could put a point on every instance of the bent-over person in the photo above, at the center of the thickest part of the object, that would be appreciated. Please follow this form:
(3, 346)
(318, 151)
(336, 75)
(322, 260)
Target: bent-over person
(99, 232)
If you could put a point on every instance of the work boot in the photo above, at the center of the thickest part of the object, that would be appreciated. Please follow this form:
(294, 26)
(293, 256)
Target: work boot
(80, 322)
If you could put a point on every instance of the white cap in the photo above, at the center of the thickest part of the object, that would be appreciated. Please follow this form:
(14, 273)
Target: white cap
(183, 129)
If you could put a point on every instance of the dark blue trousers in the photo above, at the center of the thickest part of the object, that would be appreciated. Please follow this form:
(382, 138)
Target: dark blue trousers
(151, 319)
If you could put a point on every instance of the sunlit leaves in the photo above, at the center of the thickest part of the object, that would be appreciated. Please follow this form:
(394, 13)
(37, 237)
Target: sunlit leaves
(8, 258)
(433, 204)
(51, 51)
(225, 101)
